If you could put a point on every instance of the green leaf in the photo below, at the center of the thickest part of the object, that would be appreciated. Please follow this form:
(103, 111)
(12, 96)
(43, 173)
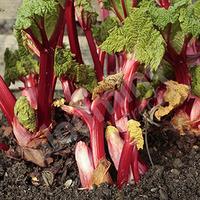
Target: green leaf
(25, 114)
(139, 36)
(177, 37)
(195, 72)
(17, 67)
(85, 12)
(144, 90)
(101, 32)
(190, 19)
(66, 66)
(30, 10)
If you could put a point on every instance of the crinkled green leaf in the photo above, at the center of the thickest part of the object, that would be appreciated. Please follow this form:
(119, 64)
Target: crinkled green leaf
(195, 72)
(17, 67)
(162, 17)
(30, 10)
(137, 36)
(85, 12)
(101, 31)
(177, 37)
(66, 66)
(25, 114)
(144, 90)
(190, 19)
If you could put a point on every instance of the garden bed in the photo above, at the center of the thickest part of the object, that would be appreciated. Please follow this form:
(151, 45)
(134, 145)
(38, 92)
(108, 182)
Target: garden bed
(175, 174)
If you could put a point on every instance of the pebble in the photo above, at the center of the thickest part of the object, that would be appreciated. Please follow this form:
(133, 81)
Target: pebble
(163, 195)
(175, 172)
(154, 189)
(177, 163)
(68, 183)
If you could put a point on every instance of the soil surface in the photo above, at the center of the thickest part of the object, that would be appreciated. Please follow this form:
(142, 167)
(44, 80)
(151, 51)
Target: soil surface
(174, 176)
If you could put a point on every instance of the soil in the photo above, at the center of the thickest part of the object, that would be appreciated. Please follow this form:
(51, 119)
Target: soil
(175, 174)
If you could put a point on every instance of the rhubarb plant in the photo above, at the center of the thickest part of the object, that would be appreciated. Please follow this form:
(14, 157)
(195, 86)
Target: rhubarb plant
(145, 56)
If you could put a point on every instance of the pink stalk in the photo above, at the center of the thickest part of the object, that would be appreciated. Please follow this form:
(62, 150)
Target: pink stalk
(93, 50)
(72, 31)
(7, 101)
(134, 3)
(195, 111)
(134, 164)
(116, 10)
(4, 147)
(45, 90)
(111, 64)
(98, 108)
(21, 134)
(124, 8)
(68, 88)
(124, 164)
(85, 164)
(32, 94)
(102, 55)
(59, 30)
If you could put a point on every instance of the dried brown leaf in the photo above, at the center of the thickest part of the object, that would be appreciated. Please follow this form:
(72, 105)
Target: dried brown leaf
(175, 95)
(181, 122)
(111, 82)
(101, 174)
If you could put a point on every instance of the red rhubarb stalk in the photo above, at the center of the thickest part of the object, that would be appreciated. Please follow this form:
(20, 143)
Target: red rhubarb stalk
(93, 50)
(124, 8)
(134, 164)
(45, 90)
(72, 31)
(7, 101)
(124, 164)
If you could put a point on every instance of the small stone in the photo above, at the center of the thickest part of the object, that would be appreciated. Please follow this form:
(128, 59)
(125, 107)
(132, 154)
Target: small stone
(154, 189)
(68, 183)
(163, 194)
(196, 147)
(175, 172)
(177, 163)
(48, 177)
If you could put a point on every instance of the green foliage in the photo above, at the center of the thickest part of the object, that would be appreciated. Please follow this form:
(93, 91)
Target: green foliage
(163, 73)
(31, 10)
(137, 36)
(195, 72)
(101, 31)
(30, 14)
(66, 66)
(17, 67)
(190, 20)
(144, 90)
(25, 114)
(85, 12)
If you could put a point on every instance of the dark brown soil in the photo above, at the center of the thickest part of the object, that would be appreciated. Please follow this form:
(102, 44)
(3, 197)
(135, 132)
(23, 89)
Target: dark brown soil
(174, 176)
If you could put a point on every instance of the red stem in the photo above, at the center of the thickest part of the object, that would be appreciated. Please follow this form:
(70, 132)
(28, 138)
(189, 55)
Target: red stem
(59, 30)
(45, 90)
(93, 50)
(7, 101)
(68, 88)
(111, 64)
(116, 10)
(124, 164)
(134, 3)
(4, 147)
(72, 31)
(124, 8)
(34, 39)
(134, 164)
(165, 3)
(102, 55)
(98, 108)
